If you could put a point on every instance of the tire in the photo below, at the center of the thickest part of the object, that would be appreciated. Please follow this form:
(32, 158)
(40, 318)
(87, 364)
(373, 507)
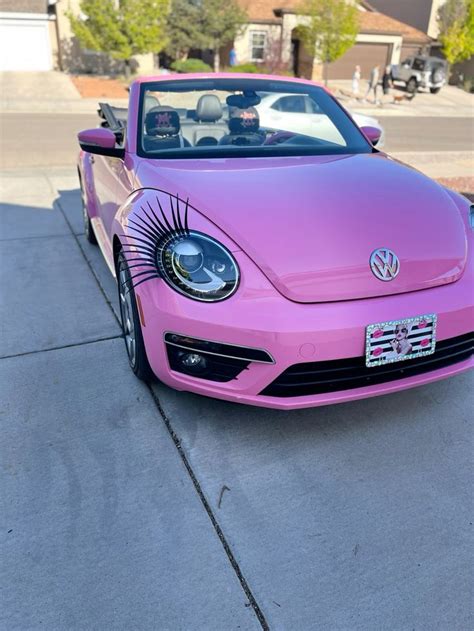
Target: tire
(412, 85)
(434, 90)
(88, 229)
(131, 327)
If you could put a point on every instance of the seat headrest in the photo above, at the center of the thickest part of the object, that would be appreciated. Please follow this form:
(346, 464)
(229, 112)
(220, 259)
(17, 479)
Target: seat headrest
(208, 108)
(162, 121)
(244, 121)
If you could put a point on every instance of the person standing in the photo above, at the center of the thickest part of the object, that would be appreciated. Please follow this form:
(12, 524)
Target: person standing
(373, 82)
(387, 80)
(232, 57)
(355, 81)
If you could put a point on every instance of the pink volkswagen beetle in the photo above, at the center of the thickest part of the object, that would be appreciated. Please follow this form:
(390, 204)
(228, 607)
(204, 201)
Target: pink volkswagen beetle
(286, 266)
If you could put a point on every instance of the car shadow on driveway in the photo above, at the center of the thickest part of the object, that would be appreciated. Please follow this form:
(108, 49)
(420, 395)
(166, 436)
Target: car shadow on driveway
(69, 202)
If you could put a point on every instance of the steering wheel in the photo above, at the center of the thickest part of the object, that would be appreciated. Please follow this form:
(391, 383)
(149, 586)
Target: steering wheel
(279, 137)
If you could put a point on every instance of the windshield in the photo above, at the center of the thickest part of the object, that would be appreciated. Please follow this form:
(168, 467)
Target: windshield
(242, 117)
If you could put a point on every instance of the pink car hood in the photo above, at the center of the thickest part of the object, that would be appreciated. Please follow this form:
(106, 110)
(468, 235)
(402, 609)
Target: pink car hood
(311, 223)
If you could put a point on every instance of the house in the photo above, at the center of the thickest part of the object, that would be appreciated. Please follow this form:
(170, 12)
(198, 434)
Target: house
(272, 32)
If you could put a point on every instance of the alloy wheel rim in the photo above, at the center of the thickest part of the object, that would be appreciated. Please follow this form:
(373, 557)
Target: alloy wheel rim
(126, 312)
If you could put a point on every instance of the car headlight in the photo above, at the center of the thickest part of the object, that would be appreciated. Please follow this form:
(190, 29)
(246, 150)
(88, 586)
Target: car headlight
(197, 266)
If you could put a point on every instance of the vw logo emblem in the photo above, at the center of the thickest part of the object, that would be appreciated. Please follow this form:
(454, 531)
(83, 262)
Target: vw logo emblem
(384, 264)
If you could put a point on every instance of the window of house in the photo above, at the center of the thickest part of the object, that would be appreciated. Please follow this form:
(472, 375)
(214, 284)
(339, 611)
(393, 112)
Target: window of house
(257, 45)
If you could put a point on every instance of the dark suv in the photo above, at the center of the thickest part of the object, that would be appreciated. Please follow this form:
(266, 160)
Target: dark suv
(421, 72)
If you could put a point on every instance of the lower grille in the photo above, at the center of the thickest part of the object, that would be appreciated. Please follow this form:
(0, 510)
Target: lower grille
(214, 361)
(345, 374)
(216, 368)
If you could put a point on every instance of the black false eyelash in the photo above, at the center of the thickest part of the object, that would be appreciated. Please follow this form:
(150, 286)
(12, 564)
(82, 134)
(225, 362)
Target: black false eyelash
(153, 234)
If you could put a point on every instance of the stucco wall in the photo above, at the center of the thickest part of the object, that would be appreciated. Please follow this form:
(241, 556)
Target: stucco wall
(242, 43)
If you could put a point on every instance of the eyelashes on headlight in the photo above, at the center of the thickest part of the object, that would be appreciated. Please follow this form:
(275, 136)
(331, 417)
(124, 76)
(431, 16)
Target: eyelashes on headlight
(153, 233)
(191, 263)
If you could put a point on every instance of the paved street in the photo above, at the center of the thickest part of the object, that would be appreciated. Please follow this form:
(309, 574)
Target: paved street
(127, 506)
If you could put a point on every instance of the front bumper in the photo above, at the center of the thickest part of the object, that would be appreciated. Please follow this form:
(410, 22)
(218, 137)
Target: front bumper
(258, 317)
(426, 83)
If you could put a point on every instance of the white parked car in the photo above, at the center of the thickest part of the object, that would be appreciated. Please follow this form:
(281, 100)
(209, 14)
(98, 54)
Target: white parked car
(297, 112)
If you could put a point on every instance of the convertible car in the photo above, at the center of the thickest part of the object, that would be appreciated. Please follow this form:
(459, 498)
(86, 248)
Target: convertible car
(274, 265)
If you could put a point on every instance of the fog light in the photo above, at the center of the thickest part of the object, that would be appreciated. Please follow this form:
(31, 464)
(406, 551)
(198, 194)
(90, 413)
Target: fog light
(193, 362)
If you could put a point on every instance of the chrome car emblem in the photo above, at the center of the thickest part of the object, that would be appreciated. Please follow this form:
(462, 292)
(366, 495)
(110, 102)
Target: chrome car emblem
(384, 264)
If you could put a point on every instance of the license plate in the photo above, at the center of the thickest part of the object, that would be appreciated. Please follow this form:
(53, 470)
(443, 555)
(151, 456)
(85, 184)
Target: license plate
(399, 340)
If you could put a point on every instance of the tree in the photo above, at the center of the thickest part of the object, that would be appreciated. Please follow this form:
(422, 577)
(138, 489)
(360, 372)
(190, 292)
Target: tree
(329, 30)
(456, 29)
(221, 21)
(121, 28)
(272, 59)
(183, 28)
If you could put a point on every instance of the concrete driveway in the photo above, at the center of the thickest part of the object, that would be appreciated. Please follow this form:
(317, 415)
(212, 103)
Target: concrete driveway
(125, 506)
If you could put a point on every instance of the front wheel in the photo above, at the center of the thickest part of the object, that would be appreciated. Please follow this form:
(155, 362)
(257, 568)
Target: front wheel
(412, 86)
(131, 326)
(434, 90)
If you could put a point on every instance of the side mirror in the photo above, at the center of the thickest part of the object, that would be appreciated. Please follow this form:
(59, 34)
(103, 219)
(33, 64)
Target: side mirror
(372, 134)
(100, 141)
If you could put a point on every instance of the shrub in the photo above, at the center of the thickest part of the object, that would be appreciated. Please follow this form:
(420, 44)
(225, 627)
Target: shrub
(190, 65)
(248, 67)
(468, 85)
(284, 71)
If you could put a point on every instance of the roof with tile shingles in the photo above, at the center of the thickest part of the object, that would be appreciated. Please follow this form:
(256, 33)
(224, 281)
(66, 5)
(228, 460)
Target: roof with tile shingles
(371, 21)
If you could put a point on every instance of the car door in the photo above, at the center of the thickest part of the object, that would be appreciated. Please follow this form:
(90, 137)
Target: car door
(405, 69)
(105, 183)
(298, 113)
(107, 173)
(288, 113)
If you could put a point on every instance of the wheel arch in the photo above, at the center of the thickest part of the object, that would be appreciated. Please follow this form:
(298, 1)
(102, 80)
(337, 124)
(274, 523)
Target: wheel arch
(116, 247)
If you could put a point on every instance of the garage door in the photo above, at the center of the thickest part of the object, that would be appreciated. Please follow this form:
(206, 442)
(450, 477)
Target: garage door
(24, 45)
(364, 55)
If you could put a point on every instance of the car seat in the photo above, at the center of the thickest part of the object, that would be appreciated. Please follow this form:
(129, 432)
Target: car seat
(163, 130)
(208, 113)
(244, 128)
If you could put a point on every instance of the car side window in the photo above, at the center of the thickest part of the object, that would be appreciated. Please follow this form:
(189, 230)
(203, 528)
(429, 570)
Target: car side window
(294, 104)
(312, 107)
(418, 64)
